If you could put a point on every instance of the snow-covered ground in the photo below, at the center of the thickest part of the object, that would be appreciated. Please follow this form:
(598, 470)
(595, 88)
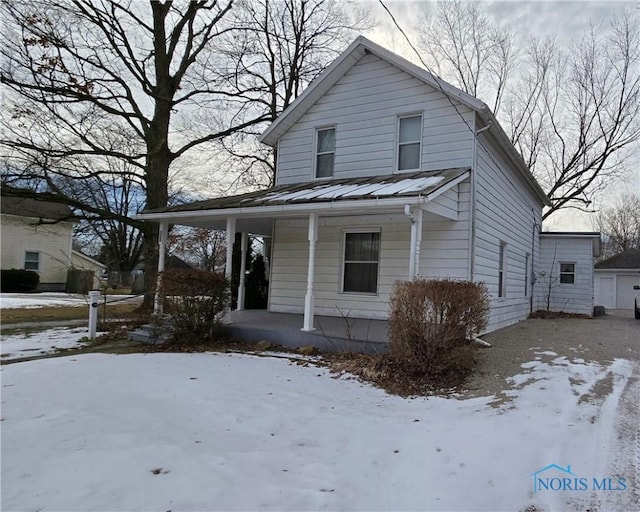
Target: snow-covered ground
(45, 299)
(27, 344)
(231, 432)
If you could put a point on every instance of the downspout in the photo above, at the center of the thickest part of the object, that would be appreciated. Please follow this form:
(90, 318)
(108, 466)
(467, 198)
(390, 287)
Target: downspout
(533, 247)
(472, 217)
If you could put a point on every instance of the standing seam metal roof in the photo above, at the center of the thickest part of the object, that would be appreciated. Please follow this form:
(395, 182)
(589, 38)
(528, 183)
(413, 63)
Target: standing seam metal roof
(395, 185)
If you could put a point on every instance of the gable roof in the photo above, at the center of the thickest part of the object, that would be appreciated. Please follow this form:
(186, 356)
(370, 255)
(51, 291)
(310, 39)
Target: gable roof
(627, 259)
(347, 59)
(425, 184)
(28, 207)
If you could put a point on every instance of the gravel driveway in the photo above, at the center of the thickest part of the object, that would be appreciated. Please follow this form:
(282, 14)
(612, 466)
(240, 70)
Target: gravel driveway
(601, 339)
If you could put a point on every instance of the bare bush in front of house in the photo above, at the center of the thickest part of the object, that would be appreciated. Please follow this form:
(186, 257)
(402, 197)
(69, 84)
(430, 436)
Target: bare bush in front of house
(196, 301)
(430, 325)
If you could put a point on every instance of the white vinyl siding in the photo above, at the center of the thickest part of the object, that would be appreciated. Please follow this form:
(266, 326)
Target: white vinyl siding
(409, 142)
(444, 255)
(32, 261)
(557, 255)
(364, 105)
(325, 152)
(506, 211)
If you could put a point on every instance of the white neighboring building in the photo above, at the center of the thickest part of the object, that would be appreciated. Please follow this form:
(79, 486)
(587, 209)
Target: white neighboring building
(565, 272)
(36, 235)
(615, 279)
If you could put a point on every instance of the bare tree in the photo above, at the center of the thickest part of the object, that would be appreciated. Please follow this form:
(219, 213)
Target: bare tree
(205, 248)
(461, 42)
(620, 226)
(282, 46)
(94, 80)
(574, 115)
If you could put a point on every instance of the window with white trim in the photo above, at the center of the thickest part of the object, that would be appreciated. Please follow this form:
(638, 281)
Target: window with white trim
(502, 271)
(567, 273)
(526, 274)
(409, 142)
(361, 261)
(32, 260)
(325, 152)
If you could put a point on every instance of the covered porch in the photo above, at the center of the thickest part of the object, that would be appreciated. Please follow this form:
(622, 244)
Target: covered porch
(310, 270)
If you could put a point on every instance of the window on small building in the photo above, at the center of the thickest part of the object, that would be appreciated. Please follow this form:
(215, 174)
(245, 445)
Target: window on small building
(409, 142)
(567, 273)
(32, 260)
(502, 271)
(325, 152)
(526, 275)
(361, 259)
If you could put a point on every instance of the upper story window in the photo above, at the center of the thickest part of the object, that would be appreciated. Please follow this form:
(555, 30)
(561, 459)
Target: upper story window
(409, 142)
(32, 260)
(325, 151)
(567, 273)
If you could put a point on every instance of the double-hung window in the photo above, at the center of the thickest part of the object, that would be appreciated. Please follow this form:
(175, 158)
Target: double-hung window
(409, 142)
(361, 260)
(526, 274)
(32, 260)
(325, 152)
(502, 271)
(567, 273)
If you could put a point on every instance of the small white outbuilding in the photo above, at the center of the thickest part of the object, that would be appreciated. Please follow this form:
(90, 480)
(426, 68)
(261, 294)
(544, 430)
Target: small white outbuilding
(615, 279)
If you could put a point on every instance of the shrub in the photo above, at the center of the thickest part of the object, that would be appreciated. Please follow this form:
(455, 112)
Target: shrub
(196, 300)
(17, 280)
(430, 324)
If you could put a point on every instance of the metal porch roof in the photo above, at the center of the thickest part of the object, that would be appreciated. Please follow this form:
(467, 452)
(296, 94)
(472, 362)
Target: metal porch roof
(417, 184)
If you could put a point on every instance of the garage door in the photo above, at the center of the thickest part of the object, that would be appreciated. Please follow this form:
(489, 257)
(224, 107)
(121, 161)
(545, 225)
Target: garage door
(625, 292)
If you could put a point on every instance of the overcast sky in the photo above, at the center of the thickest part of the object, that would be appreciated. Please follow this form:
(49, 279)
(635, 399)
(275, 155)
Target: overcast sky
(565, 20)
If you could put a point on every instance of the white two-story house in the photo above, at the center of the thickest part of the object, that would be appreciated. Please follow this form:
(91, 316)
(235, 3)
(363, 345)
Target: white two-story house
(385, 173)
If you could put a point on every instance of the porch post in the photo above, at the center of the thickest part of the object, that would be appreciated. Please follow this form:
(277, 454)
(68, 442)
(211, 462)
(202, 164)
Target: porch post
(308, 300)
(243, 269)
(231, 235)
(162, 248)
(418, 246)
(412, 250)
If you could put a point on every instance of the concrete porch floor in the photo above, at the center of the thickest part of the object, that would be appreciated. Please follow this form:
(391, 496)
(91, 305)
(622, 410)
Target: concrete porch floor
(331, 334)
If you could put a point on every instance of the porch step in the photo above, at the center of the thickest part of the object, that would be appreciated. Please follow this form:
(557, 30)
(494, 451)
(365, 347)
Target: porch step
(151, 333)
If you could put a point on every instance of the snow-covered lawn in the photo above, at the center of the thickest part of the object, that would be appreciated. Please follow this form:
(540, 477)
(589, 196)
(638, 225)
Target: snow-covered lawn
(48, 341)
(232, 432)
(40, 300)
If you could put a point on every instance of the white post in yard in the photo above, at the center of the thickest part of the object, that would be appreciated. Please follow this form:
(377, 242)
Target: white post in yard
(94, 302)
(416, 272)
(308, 300)
(243, 270)
(162, 249)
(231, 236)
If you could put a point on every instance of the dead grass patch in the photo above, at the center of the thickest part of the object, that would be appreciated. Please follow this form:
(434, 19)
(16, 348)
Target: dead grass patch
(550, 315)
(393, 376)
(53, 313)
